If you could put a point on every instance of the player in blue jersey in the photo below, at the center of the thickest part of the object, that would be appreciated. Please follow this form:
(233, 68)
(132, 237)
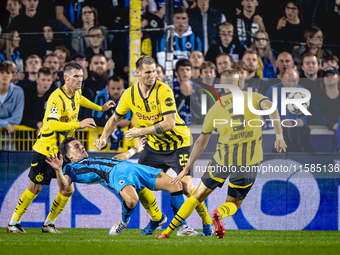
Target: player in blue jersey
(125, 177)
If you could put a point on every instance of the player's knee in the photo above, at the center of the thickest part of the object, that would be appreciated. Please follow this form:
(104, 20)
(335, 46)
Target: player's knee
(35, 188)
(67, 192)
(131, 201)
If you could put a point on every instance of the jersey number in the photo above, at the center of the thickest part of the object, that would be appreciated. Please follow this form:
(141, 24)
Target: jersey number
(183, 159)
(239, 119)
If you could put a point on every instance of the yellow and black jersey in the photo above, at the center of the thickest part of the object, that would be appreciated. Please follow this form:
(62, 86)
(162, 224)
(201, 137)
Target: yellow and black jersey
(239, 143)
(151, 110)
(60, 119)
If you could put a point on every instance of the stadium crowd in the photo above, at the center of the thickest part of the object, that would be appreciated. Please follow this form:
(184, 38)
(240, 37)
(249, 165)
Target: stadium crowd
(272, 43)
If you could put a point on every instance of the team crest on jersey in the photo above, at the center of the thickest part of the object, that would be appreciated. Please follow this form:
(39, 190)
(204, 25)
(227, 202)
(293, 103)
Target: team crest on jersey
(169, 102)
(54, 110)
(64, 119)
(39, 177)
(121, 182)
(188, 45)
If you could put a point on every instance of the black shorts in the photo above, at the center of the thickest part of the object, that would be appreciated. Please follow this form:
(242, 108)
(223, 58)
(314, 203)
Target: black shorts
(175, 160)
(240, 182)
(41, 172)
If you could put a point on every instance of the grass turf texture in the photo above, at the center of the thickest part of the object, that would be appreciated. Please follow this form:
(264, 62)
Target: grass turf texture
(97, 241)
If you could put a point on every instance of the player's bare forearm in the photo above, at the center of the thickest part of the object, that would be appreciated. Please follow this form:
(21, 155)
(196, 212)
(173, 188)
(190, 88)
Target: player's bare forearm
(139, 146)
(168, 124)
(199, 146)
(62, 180)
(110, 126)
(277, 123)
(124, 155)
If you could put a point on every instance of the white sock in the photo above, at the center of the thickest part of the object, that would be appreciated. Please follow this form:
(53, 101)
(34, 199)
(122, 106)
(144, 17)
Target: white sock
(47, 222)
(12, 223)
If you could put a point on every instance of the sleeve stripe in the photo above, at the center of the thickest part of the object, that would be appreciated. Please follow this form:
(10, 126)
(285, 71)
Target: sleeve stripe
(52, 119)
(119, 115)
(169, 112)
(261, 102)
(206, 133)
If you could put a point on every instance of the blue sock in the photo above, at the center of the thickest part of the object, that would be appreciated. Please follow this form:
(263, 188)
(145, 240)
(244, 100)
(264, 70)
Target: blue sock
(126, 212)
(177, 200)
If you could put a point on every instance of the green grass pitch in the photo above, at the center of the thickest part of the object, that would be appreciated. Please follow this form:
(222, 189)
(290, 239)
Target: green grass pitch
(97, 241)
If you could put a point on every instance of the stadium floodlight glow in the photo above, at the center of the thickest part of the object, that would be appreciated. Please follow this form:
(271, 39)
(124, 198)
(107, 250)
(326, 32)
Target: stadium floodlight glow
(238, 100)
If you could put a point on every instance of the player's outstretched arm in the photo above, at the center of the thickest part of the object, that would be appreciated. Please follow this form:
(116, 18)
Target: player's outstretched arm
(199, 146)
(90, 105)
(64, 181)
(110, 126)
(280, 144)
(139, 146)
(168, 124)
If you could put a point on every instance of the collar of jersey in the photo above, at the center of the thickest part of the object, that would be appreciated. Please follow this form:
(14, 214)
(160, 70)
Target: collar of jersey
(140, 93)
(61, 88)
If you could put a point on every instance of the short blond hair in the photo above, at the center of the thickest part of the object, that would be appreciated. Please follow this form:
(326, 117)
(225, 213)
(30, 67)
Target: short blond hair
(230, 76)
(226, 25)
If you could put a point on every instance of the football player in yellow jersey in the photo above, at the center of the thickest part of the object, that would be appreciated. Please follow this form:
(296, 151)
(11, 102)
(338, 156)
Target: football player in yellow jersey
(60, 121)
(238, 146)
(169, 140)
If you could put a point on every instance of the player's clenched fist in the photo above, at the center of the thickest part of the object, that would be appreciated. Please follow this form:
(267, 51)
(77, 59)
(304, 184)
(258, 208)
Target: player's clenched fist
(109, 104)
(87, 123)
(99, 143)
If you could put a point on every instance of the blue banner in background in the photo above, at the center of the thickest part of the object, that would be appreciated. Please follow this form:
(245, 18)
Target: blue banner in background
(299, 199)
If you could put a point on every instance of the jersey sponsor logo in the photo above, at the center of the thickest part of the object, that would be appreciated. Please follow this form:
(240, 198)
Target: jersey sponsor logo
(151, 118)
(54, 110)
(121, 182)
(64, 119)
(39, 177)
(169, 102)
(75, 116)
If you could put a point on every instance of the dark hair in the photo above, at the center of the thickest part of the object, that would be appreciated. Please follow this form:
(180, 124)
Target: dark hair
(144, 60)
(225, 54)
(297, 3)
(6, 67)
(45, 70)
(162, 68)
(63, 148)
(65, 50)
(179, 10)
(330, 58)
(50, 55)
(183, 62)
(250, 52)
(308, 54)
(207, 64)
(96, 28)
(115, 78)
(240, 66)
(72, 65)
(98, 55)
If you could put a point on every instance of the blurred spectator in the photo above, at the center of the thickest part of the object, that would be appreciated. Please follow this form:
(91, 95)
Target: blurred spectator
(97, 79)
(160, 73)
(243, 73)
(205, 21)
(36, 95)
(248, 22)
(9, 44)
(314, 44)
(196, 59)
(11, 99)
(250, 58)
(68, 13)
(223, 61)
(297, 133)
(186, 100)
(13, 7)
(158, 6)
(33, 64)
(63, 55)
(96, 37)
(310, 73)
(81, 60)
(290, 27)
(30, 21)
(330, 61)
(113, 91)
(89, 19)
(185, 41)
(17, 75)
(49, 43)
(226, 44)
(284, 61)
(261, 45)
(51, 61)
(325, 107)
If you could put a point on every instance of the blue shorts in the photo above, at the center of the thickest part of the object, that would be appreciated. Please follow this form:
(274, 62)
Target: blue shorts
(139, 176)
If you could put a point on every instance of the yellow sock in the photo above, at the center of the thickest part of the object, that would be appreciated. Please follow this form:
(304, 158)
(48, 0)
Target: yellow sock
(57, 207)
(183, 213)
(202, 211)
(148, 200)
(227, 209)
(24, 202)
